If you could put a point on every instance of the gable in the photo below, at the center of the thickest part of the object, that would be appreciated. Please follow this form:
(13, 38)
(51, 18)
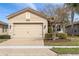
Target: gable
(27, 10)
(27, 17)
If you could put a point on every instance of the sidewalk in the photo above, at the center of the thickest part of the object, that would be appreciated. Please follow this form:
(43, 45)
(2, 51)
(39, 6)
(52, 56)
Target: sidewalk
(26, 52)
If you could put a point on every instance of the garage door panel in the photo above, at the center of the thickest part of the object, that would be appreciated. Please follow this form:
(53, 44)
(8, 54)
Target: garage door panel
(28, 31)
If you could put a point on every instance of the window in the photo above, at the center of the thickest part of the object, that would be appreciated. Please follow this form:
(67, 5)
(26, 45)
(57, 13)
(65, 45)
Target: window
(75, 30)
(58, 28)
(5, 28)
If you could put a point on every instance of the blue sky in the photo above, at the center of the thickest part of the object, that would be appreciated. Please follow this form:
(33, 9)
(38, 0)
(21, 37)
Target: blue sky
(9, 8)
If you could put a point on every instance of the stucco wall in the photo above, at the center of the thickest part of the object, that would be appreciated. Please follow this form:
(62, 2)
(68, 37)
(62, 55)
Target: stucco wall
(21, 18)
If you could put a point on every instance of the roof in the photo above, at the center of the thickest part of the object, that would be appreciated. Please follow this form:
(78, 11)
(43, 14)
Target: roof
(27, 9)
(75, 23)
(3, 23)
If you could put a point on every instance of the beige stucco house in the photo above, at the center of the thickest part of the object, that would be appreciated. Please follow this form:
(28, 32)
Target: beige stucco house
(27, 24)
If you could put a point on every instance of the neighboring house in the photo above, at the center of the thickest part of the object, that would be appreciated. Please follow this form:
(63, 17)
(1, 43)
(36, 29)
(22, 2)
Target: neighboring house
(3, 28)
(75, 29)
(27, 24)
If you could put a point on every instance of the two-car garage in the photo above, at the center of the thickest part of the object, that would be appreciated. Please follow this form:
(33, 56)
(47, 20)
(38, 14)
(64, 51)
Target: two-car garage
(28, 31)
(27, 24)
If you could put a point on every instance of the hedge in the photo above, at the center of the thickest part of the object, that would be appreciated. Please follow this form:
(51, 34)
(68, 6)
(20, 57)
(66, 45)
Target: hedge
(50, 30)
(48, 35)
(4, 36)
(61, 35)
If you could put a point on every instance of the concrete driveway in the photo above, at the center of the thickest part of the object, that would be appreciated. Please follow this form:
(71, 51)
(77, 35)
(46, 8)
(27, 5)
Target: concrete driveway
(26, 52)
(23, 42)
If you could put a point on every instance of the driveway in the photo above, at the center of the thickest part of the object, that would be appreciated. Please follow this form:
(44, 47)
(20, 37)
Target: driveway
(23, 42)
(26, 52)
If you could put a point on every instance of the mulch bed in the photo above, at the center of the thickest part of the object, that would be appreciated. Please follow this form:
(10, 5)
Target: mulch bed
(58, 40)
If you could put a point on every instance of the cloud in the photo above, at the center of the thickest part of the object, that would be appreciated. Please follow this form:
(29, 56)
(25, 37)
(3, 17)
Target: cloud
(32, 6)
(24, 5)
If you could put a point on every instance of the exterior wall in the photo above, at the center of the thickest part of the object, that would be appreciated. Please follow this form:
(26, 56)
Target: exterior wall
(32, 19)
(1, 28)
(75, 29)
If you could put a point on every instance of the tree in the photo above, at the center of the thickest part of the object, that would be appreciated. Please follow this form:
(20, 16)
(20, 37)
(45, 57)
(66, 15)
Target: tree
(54, 14)
(62, 16)
(49, 11)
(74, 8)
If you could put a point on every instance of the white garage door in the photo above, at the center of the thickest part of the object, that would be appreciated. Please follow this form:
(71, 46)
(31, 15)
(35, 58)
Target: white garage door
(27, 31)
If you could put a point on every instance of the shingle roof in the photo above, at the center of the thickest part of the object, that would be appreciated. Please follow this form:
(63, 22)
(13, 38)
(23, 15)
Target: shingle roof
(75, 23)
(3, 23)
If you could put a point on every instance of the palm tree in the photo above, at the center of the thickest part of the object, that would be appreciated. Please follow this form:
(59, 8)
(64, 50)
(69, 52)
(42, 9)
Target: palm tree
(74, 8)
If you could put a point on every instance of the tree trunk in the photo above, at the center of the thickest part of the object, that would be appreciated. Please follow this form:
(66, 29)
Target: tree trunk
(72, 20)
(55, 32)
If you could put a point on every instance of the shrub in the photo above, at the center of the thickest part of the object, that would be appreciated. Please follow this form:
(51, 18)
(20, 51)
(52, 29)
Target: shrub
(49, 29)
(48, 35)
(62, 35)
(4, 36)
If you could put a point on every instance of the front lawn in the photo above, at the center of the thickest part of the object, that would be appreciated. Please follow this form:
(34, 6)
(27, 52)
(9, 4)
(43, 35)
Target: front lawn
(66, 50)
(60, 43)
(66, 41)
(69, 41)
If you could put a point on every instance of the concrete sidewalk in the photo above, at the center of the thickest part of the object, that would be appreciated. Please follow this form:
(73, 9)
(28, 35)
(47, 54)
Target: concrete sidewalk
(26, 52)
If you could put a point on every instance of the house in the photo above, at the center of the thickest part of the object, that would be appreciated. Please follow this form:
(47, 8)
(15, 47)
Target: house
(56, 25)
(27, 24)
(75, 29)
(3, 28)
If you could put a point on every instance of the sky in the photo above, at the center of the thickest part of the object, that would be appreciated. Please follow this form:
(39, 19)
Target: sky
(9, 8)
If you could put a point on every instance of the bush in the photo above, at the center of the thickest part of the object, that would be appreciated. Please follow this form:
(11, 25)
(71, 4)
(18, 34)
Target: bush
(62, 35)
(49, 29)
(4, 36)
(48, 35)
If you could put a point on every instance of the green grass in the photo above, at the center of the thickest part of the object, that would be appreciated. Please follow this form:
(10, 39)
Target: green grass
(66, 50)
(2, 40)
(72, 42)
(68, 43)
